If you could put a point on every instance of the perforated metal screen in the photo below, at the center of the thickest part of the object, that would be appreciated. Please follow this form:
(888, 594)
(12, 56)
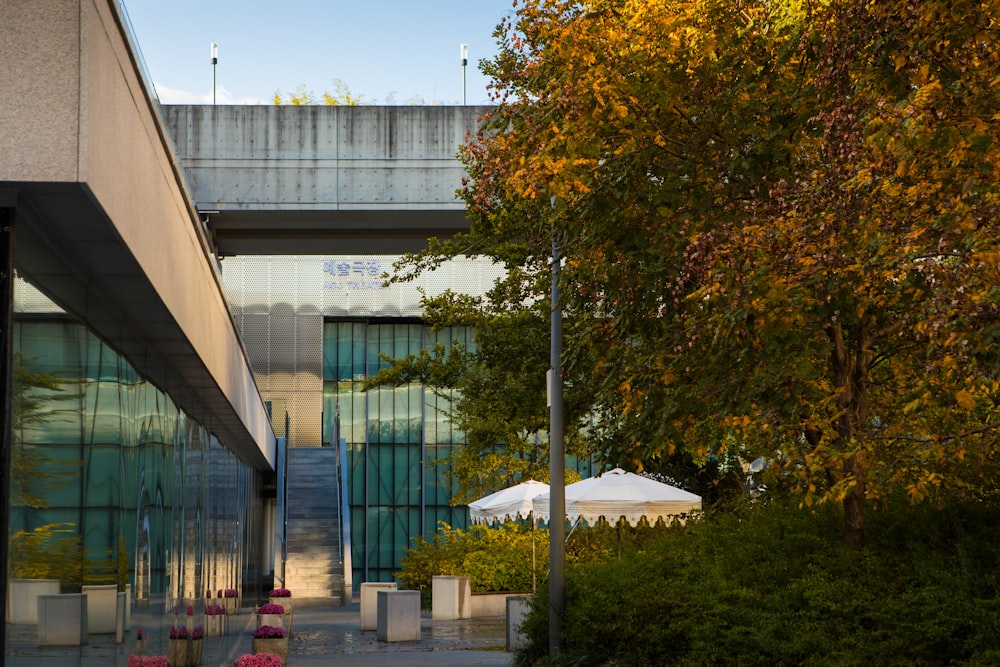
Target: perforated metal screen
(279, 304)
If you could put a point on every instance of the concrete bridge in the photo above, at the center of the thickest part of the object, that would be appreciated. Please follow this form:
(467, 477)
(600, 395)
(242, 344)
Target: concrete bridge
(323, 179)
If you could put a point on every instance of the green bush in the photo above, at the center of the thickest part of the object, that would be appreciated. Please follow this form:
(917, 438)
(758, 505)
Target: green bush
(52, 551)
(774, 586)
(495, 558)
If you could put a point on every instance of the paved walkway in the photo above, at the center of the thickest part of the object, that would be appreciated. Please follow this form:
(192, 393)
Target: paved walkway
(321, 635)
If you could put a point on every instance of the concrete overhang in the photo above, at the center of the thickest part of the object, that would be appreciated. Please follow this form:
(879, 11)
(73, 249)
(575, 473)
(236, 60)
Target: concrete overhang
(104, 224)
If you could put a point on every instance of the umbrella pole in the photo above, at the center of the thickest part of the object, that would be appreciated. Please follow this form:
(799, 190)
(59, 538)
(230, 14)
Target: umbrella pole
(531, 516)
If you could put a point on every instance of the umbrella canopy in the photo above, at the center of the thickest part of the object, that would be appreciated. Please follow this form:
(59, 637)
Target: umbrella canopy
(514, 502)
(619, 494)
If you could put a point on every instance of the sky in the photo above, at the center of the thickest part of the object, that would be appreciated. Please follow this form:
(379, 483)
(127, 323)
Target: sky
(386, 51)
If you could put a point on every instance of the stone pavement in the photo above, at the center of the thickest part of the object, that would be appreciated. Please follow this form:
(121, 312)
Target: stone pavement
(320, 635)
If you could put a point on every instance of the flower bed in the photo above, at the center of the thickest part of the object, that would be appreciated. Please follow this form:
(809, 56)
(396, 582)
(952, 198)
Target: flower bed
(271, 609)
(147, 661)
(259, 660)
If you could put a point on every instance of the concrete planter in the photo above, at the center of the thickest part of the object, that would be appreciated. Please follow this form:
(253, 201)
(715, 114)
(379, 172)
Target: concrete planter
(485, 605)
(284, 602)
(369, 602)
(22, 598)
(398, 616)
(277, 646)
(451, 598)
(102, 609)
(62, 620)
(194, 652)
(177, 652)
(215, 626)
(517, 610)
(274, 620)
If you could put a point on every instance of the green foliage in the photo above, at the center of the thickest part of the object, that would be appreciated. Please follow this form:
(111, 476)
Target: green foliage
(52, 551)
(121, 573)
(36, 397)
(773, 586)
(496, 559)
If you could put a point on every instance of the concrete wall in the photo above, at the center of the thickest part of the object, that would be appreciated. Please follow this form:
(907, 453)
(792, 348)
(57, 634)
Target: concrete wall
(85, 152)
(322, 157)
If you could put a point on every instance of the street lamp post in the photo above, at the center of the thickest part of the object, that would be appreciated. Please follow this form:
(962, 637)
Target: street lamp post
(464, 53)
(557, 471)
(215, 62)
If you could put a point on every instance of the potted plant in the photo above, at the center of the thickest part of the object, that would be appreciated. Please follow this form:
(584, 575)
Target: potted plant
(147, 661)
(177, 647)
(215, 620)
(138, 642)
(270, 639)
(271, 614)
(232, 598)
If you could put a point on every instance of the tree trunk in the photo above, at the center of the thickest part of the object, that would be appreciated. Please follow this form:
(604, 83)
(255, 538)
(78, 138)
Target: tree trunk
(850, 372)
(854, 507)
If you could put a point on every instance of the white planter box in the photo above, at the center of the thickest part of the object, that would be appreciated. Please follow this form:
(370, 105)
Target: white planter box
(398, 616)
(102, 608)
(369, 602)
(62, 620)
(22, 598)
(486, 605)
(451, 598)
(517, 609)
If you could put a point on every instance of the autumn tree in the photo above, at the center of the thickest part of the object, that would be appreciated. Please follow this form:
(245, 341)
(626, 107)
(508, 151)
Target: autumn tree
(780, 224)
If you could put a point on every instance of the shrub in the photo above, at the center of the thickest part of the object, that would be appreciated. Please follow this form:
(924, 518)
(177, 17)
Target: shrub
(774, 585)
(280, 593)
(496, 559)
(178, 632)
(214, 610)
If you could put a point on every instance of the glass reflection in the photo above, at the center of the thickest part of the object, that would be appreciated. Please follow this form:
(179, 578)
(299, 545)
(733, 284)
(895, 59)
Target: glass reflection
(112, 485)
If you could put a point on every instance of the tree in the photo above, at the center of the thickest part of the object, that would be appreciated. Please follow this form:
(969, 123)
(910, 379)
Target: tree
(781, 228)
(495, 387)
(341, 95)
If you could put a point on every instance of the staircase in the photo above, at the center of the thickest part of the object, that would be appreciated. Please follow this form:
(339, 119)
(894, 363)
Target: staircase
(313, 568)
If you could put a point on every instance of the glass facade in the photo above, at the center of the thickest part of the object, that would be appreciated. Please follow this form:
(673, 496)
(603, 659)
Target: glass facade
(398, 440)
(113, 484)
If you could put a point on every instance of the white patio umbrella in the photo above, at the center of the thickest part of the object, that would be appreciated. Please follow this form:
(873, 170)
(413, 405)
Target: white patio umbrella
(622, 495)
(514, 502)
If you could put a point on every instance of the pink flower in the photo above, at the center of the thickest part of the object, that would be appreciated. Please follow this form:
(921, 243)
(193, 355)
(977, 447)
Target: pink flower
(272, 609)
(179, 633)
(190, 610)
(214, 610)
(198, 632)
(269, 632)
(259, 660)
(280, 593)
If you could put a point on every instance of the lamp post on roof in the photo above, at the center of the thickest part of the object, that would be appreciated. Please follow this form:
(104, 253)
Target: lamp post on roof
(215, 62)
(464, 55)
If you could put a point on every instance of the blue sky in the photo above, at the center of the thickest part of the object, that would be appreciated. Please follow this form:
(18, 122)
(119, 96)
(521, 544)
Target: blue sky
(406, 49)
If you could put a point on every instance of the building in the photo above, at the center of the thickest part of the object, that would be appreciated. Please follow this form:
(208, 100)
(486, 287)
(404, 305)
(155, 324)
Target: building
(191, 301)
